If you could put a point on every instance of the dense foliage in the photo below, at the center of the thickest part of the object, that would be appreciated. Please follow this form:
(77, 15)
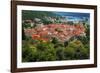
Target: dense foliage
(35, 50)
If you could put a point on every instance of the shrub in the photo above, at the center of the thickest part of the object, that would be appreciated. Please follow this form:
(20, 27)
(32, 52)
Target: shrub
(55, 40)
(60, 53)
(76, 50)
(28, 53)
(47, 52)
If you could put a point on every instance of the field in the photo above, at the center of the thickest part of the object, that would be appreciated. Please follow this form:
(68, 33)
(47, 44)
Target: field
(55, 36)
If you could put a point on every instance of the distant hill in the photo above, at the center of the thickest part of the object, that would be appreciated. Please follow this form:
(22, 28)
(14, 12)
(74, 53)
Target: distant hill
(29, 14)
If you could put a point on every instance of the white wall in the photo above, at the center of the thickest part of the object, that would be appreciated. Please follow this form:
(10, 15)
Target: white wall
(5, 36)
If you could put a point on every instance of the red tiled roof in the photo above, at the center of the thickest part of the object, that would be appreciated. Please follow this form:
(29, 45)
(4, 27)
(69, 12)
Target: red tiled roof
(65, 31)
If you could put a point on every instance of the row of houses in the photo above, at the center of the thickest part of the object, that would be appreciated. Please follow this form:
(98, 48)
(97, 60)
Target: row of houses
(60, 31)
(37, 22)
(56, 19)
